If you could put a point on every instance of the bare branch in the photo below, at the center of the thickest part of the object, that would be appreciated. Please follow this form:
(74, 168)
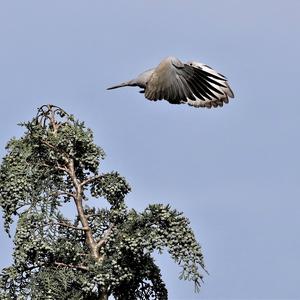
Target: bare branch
(55, 125)
(64, 169)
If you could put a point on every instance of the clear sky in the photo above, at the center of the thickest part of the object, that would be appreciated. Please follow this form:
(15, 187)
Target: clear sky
(234, 171)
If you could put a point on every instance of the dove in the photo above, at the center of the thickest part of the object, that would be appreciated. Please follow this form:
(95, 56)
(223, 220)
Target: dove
(191, 83)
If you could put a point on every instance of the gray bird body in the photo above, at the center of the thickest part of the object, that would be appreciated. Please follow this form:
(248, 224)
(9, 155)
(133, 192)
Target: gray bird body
(193, 83)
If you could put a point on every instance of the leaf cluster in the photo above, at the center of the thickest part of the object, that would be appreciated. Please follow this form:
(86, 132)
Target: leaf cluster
(57, 161)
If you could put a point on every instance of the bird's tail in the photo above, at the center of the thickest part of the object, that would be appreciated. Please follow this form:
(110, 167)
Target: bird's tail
(127, 83)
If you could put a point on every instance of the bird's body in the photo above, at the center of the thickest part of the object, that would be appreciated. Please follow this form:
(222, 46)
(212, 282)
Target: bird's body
(193, 83)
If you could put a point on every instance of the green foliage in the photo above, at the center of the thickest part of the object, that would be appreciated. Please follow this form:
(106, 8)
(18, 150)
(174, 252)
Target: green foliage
(104, 251)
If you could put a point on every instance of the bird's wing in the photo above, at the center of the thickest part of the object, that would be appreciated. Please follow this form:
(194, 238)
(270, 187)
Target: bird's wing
(210, 88)
(193, 83)
(165, 82)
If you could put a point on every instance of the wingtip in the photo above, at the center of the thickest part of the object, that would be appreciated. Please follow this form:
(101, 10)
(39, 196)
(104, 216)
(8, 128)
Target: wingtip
(231, 93)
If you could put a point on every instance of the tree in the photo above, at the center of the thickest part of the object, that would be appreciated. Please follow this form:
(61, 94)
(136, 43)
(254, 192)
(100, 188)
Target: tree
(104, 251)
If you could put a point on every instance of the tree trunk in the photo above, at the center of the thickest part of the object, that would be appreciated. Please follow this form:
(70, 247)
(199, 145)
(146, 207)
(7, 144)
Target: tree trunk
(103, 296)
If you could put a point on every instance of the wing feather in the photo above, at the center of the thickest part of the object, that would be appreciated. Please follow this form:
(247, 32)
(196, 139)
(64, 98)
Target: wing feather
(193, 83)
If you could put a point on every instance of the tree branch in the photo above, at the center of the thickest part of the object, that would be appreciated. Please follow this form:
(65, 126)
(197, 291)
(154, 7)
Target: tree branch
(103, 240)
(49, 145)
(64, 169)
(55, 125)
(89, 180)
(58, 167)
(81, 267)
(63, 194)
(70, 226)
(57, 150)
(91, 243)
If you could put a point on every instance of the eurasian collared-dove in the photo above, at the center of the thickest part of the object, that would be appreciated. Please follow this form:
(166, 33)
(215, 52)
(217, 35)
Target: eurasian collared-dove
(193, 83)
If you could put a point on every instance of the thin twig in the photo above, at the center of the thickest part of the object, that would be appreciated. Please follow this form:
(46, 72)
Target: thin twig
(89, 180)
(104, 239)
(63, 194)
(49, 145)
(64, 153)
(62, 168)
(81, 267)
(70, 226)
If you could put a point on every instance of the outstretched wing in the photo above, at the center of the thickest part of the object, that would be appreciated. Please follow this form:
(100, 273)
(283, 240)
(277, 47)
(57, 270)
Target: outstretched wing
(193, 83)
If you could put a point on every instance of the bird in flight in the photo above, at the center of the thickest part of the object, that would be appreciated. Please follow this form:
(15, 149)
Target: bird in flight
(192, 82)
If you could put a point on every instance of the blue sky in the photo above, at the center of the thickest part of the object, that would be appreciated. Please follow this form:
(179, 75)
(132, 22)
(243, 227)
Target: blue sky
(233, 171)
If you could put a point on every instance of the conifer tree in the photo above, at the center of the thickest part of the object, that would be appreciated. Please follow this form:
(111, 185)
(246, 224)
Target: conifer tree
(106, 250)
